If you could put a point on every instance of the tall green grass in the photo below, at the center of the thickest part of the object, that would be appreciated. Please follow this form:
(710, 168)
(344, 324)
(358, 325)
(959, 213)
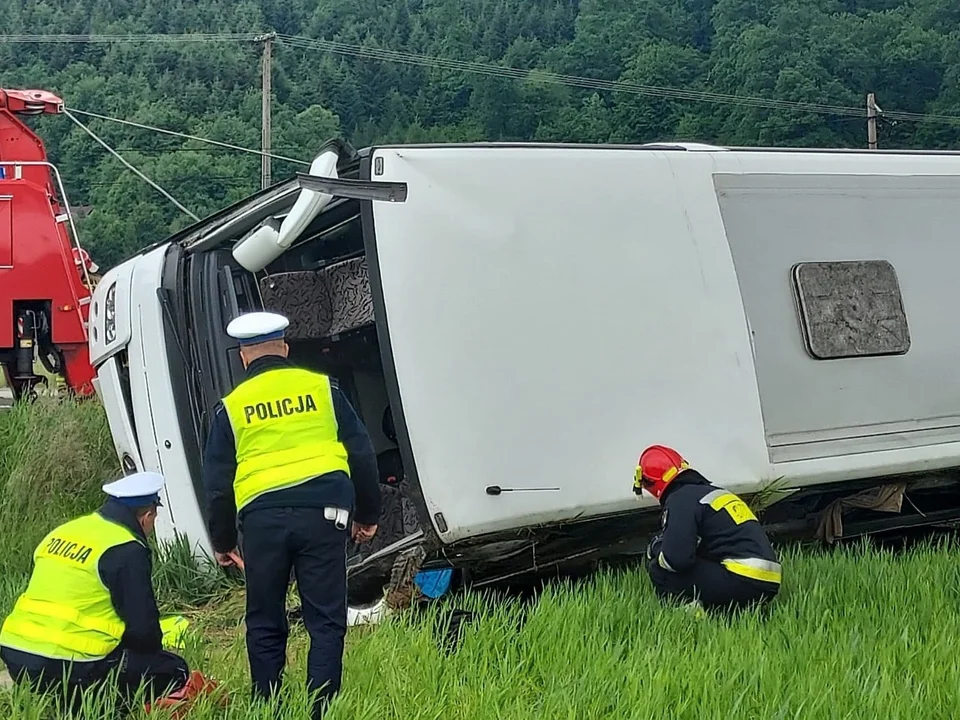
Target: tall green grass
(856, 633)
(54, 456)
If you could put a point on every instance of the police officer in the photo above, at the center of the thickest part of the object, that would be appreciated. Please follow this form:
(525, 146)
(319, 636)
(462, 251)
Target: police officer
(288, 460)
(711, 549)
(89, 608)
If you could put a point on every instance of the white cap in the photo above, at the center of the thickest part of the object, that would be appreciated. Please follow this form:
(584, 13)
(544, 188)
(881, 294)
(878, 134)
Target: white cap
(257, 327)
(139, 488)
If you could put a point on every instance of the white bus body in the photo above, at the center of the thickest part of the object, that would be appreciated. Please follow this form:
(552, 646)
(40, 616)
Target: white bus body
(535, 315)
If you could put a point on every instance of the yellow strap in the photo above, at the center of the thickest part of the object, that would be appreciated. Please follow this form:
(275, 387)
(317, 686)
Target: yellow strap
(323, 453)
(95, 649)
(749, 571)
(70, 615)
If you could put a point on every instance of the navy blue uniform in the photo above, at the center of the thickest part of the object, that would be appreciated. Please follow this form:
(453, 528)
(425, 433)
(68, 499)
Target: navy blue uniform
(711, 547)
(286, 529)
(126, 571)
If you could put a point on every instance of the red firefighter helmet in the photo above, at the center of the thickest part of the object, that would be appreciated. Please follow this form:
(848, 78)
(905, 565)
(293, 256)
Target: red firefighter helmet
(82, 258)
(656, 469)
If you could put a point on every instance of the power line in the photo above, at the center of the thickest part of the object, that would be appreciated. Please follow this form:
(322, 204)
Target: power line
(506, 72)
(185, 136)
(487, 69)
(233, 179)
(132, 38)
(918, 117)
(161, 150)
(130, 167)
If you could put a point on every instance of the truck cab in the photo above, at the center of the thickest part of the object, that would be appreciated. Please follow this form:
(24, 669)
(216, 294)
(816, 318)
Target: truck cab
(45, 276)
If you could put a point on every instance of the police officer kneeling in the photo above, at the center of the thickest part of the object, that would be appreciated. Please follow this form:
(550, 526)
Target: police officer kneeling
(711, 548)
(283, 449)
(89, 608)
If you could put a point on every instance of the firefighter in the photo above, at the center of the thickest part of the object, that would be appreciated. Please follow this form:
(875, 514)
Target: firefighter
(89, 608)
(289, 463)
(711, 550)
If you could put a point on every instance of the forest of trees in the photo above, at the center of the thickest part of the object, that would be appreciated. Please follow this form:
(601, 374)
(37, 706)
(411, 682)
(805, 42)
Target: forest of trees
(823, 52)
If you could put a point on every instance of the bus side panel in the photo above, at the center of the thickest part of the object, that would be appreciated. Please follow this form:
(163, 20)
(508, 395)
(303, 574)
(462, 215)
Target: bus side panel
(826, 408)
(551, 312)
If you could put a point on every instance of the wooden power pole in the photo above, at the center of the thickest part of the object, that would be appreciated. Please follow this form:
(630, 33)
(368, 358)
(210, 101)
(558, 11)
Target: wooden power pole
(266, 104)
(872, 121)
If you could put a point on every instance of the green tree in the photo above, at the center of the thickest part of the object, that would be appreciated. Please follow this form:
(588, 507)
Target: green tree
(374, 86)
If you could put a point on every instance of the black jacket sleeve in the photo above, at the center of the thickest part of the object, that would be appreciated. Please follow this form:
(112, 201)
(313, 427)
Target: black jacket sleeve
(362, 460)
(678, 547)
(126, 572)
(219, 470)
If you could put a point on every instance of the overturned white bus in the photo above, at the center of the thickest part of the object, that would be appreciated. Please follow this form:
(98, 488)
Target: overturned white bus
(515, 323)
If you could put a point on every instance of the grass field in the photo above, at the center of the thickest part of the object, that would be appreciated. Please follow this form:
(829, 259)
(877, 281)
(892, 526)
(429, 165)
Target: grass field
(856, 633)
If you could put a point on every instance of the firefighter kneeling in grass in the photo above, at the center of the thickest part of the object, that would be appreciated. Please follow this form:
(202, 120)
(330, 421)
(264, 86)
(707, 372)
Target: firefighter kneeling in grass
(89, 610)
(711, 550)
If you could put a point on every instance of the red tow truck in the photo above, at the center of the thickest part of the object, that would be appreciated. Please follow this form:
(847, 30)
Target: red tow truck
(46, 278)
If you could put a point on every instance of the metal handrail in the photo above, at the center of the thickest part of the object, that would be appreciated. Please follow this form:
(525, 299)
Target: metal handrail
(73, 236)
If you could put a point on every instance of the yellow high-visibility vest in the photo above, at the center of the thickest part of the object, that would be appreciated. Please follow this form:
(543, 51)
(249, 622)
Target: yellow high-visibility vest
(66, 612)
(285, 430)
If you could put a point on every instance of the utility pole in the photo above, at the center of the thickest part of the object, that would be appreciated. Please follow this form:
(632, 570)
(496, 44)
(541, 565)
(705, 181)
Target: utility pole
(872, 110)
(266, 98)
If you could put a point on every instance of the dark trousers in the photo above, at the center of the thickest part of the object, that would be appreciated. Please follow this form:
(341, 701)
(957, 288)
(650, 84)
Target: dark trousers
(274, 540)
(158, 673)
(710, 583)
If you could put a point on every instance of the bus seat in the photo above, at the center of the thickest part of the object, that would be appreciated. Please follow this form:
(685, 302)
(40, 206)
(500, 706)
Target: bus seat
(320, 304)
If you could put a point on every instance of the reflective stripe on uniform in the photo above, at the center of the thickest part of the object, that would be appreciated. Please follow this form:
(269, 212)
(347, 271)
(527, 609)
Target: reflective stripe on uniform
(662, 561)
(711, 496)
(20, 629)
(727, 501)
(70, 615)
(755, 568)
(285, 431)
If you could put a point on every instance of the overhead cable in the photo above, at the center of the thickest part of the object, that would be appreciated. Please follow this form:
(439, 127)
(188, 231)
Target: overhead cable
(130, 167)
(489, 70)
(187, 136)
